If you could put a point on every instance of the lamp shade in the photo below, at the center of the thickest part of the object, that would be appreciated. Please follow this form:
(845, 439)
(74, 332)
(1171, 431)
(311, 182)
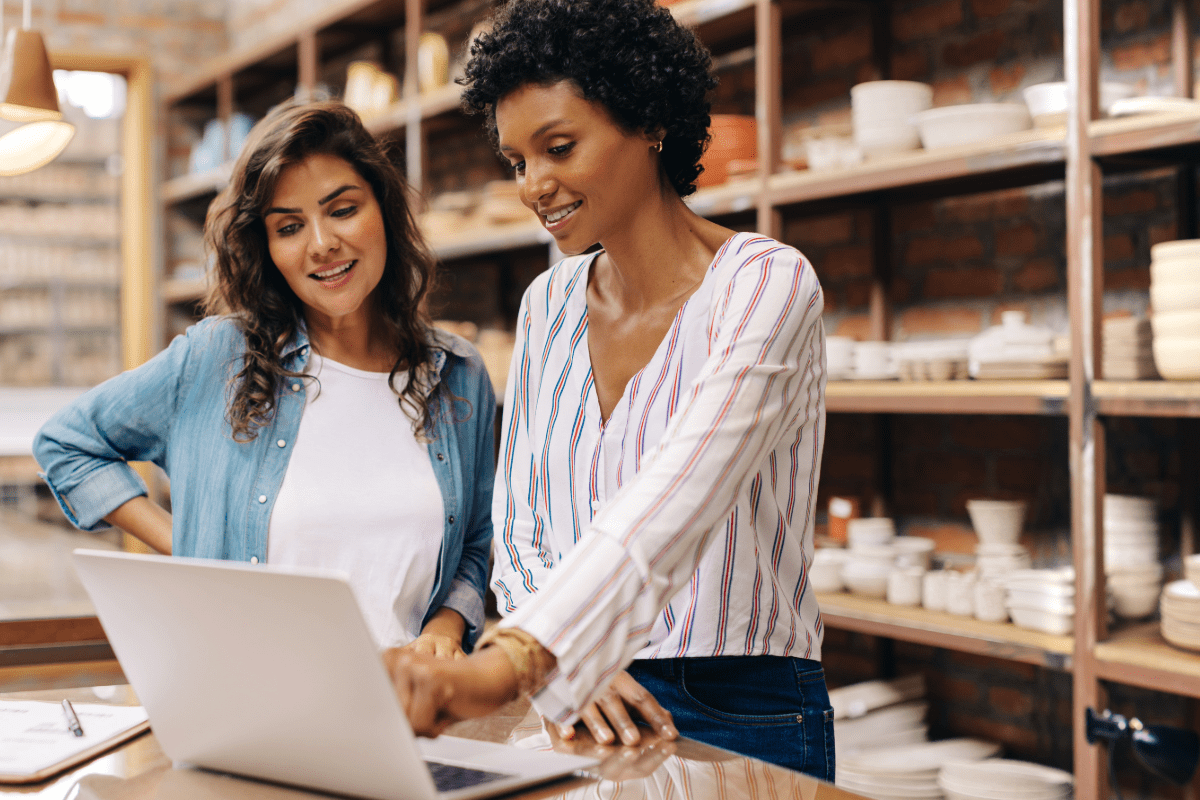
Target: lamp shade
(27, 92)
(33, 145)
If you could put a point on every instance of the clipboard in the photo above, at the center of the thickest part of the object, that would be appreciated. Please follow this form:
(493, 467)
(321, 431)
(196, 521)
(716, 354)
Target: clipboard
(35, 742)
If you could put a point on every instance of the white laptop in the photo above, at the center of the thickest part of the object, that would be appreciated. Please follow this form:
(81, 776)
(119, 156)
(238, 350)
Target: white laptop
(272, 673)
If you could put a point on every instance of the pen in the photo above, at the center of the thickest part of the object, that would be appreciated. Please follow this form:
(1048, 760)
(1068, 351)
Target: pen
(72, 720)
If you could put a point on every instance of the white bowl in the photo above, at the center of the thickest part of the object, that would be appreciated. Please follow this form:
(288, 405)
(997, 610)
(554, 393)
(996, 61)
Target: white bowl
(886, 140)
(951, 126)
(1047, 102)
(1177, 358)
(1045, 621)
(1134, 603)
(1175, 296)
(1175, 269)
(825, 572)
(1179, 248)
(1129, 507)
(1172, 324)
(904, 586)
(997, 521)
(913, 551)
(866, 577)
(880, 102)
(868, 531)
(1040, 601)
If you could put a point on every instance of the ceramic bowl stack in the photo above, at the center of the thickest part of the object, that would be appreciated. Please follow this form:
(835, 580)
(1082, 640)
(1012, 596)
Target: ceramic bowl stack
(1180, 607)
(1175, 297)
(870, 557)
(1131, 554)
(882, 114)
(906, 771)
(1042, 599)
(839, 357)
(1128, 355)
(932, 360)
(1016, 350)
(998, 524)
(1004, 779)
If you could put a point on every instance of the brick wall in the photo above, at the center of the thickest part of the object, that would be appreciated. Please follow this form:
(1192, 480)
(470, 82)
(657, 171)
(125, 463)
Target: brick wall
(176, 35)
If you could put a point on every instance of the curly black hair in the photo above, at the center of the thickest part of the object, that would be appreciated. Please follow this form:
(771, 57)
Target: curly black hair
(631, 56)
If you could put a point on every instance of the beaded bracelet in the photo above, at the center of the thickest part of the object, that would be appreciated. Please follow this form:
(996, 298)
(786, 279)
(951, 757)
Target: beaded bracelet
(531, 662)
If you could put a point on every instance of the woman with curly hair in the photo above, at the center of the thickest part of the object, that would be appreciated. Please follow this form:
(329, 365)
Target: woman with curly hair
(664, 417)
(319, 420)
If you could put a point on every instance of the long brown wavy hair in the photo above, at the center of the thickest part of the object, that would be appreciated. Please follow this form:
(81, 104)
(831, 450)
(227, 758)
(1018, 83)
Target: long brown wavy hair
(250, 288)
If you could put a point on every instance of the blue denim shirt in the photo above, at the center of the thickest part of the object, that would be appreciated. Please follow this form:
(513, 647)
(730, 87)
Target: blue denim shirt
(172, 411)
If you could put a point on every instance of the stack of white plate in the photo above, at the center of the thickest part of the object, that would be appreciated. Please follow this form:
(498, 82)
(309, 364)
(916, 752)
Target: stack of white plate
(1130, 531)
(998, 560)
(1128, 355)
(890, 726)
(873, 361)
(1175, 296)
(1042, 599)
(906, 771)
(857, 699)
(882, 115)
(839, 357)
(1004, 779)
(1181, 614)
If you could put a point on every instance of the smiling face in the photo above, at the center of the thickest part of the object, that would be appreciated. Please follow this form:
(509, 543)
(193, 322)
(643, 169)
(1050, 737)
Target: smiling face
(326, 235)
(576, 168)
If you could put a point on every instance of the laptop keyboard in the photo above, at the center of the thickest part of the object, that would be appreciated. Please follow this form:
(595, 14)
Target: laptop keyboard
(447, 777)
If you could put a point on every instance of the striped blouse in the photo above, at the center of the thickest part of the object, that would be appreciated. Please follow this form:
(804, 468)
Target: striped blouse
(682, 525)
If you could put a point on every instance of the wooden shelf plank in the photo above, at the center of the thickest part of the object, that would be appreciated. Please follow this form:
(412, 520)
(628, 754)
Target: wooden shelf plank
(693, 13)
(189, 187)
(728, 198)
(1127, 135)
(947, 397)
(937, 629)
(1039, 147)
(1148, 398)
(430, 104)
(1139, 656)
(491, 239)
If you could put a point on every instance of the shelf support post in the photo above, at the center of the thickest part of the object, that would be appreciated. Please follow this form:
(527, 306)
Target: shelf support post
(307, 57)
(414, 23)
(768, 30)
(1085, 265)
(1181, 47)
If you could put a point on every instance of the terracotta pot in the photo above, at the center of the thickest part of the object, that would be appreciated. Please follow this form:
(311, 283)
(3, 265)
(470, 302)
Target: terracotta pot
(734, 138)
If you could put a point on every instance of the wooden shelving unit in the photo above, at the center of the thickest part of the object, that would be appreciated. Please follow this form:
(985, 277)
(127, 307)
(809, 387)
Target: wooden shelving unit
(939, 629)
(1077, 153)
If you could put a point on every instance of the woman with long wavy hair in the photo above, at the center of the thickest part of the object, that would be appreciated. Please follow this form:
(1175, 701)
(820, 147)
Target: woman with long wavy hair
(318, 419)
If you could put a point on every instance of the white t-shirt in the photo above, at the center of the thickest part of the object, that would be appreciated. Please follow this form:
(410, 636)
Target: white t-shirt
(360, 496)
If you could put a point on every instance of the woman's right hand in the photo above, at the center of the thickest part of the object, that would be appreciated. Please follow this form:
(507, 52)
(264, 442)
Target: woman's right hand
(145, 520)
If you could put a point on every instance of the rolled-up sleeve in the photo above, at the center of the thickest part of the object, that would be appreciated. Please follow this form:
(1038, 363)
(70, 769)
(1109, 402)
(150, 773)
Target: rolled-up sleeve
(763, 373)
(85, 448)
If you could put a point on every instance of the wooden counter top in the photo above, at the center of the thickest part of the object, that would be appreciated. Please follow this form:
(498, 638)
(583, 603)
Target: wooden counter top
(656, 770)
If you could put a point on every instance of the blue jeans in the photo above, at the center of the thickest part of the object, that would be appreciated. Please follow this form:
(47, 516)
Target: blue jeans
(771, 708)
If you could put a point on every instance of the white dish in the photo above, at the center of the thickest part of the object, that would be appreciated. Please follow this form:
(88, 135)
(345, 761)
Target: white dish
(879, 103)
(1153, 105)
(1045, 621)
(1178, 269)
(865, 577)
(1036, 601)
(1177, 248)
(881, 722)
(1134, 603)
(1191, 568)
(860, 698)
(1176, 323)
(1177, 358)
(919, 757)
(887, 140)
(1006, 774)
(1129, 507)
(825, 572)
(1175, 296)
(953, 126)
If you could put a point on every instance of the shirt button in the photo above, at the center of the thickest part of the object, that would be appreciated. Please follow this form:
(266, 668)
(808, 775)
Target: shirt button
(451, 519)
(253, 559)
(295, 387)
(441, 457)
(281, 443)
(262, 498)
(595, 505)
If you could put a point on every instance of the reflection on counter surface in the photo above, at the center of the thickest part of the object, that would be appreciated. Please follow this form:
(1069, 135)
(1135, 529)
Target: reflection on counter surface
(656, 770)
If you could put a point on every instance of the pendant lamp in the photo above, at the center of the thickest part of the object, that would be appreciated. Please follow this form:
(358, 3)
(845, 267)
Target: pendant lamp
(27, 95)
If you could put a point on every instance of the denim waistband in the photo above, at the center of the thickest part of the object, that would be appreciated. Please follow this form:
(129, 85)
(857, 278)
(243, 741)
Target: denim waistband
(760, 666)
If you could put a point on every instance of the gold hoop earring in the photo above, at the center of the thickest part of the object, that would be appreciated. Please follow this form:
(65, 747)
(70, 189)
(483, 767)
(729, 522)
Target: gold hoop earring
(657, 146)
